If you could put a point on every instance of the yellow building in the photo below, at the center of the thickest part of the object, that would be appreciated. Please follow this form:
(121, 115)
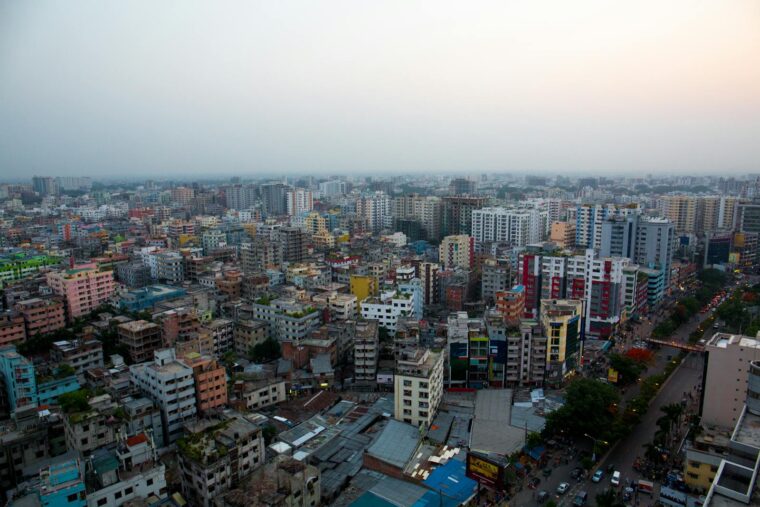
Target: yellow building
(315, 223)
(323, 239)
(703, 458)
(561, 320)
(363, 286)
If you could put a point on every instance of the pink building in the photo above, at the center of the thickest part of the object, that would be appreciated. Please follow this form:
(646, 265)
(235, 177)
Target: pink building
(83, 287)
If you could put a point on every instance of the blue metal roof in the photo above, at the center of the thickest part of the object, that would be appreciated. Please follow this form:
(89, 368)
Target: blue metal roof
(451, 480)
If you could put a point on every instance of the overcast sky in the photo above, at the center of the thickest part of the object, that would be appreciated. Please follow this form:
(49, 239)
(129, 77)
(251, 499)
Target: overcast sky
(119, 88)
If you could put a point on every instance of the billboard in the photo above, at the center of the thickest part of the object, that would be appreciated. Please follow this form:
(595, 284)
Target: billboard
(612, 375)
(485, 470)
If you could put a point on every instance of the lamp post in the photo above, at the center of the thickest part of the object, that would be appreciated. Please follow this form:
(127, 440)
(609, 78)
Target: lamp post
(593, 450)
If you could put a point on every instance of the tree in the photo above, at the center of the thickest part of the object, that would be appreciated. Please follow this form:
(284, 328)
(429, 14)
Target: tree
(65, 370)
(75, 401)
(608, 499)
(639, 355)
(266, 351)
(627, 368)
(534, 440)
(589, 409)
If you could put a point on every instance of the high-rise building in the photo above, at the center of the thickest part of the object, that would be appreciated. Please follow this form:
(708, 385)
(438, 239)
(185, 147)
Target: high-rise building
(293, 241)
(563, 234)
(418, 384)
(647, 241)
(376, 209)
(681, 210)
(274, 197)
(561, 320)
(496, 276)
(517, 227)
(748, 216)
(332, 188)
(44, 185)
(590, 217)
(461, 186)
(299, 201)
(424, 210)
(457, 213)
(182, 195)
(724, 383)
(171, 385)
(366, 351)
(457, 251)
(84, 288)
(241, 197)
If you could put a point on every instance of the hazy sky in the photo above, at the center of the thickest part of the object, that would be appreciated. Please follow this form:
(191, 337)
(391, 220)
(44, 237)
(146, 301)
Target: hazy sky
(120, 88)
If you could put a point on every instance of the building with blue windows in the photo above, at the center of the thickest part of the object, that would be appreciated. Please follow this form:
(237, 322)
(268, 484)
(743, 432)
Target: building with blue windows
(48, 390)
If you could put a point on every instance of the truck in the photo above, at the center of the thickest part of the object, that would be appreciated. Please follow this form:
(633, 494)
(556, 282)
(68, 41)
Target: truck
(646, 487)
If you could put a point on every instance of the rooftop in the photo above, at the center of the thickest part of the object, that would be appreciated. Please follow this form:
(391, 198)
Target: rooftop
(396, 443)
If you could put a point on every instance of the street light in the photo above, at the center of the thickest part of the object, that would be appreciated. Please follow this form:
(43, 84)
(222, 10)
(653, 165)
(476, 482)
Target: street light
(593, 450)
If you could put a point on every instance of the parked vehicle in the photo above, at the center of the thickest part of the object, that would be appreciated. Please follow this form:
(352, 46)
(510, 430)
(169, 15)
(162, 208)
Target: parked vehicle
(627, 494)
(580, 499)
(615, 481)
(562, 488)
(597, 476)
(646, 487)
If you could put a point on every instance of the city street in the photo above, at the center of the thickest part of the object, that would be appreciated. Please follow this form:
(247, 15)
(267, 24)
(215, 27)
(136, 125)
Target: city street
(683, 381)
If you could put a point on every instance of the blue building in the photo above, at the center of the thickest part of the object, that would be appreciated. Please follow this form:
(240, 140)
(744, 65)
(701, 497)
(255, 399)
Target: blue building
(62, 485)
(48, 391)
(18, 376)
(144, 298)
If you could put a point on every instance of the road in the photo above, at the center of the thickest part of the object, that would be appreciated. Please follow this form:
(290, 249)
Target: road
(683, 380)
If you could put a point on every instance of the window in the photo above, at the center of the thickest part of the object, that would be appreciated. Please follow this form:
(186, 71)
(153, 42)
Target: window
(102, 501)
(117, 495)
(72, 498)
(149, 482)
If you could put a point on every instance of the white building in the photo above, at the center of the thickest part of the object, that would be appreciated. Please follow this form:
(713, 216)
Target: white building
(389, 307)
(170, 384)
(299, 201)
(376, 208)
(518, 227)
(418, 386)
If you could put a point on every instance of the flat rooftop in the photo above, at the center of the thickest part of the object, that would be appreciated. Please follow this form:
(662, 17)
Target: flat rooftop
(725, 340)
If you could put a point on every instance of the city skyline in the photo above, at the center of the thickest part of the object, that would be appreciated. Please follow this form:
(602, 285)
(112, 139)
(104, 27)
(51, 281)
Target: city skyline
(295, 88)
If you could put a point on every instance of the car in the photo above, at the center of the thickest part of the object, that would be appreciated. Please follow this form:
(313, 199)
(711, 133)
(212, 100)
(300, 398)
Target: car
(615, 480)
(580, 499)
(576, 472)
(534, 482)
(562, 488)
(627, 494)
(597, 477)
(542, 496)
(547, 472)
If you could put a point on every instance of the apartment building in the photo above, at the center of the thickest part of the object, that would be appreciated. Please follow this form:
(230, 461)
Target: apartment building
(725, 382)
(249, 333)
(511, 304)
(171, 385)
(366, 351)
(681, 210)
(287, 320)
(12, 328)
(210, 382)
(343, 306)
(389, 307)
(216, 455)
(257, 394)
(457, 252)
(418, 384)
(563, 234)
(92, 428)
(516, 226)
(496, 276)
(81, 354)
(222, 332)
(83, 288)
(42, 316)
(19, 379)
(561, 321)
(140, 338)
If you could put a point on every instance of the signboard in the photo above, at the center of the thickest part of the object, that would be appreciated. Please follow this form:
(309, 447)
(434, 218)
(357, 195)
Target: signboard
(486, 471)
(612, 375)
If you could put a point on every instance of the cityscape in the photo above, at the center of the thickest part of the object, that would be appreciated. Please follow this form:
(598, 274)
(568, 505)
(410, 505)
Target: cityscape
(380, 254)
(500, 339)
